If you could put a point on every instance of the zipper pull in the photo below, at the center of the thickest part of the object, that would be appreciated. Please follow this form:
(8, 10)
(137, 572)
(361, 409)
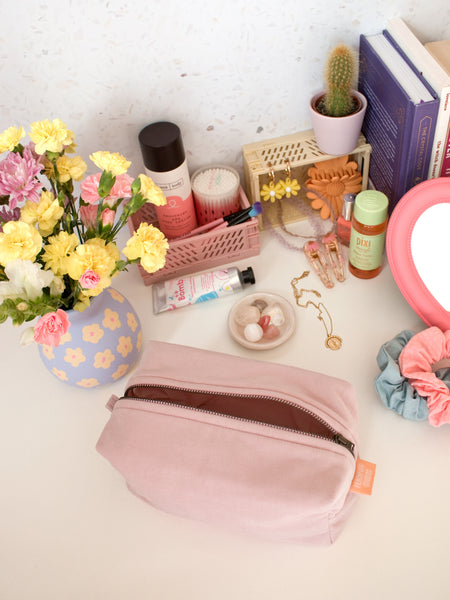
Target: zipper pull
(342, 441)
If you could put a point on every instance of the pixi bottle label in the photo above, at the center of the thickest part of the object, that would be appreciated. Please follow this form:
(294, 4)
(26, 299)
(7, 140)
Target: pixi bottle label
(366, 251)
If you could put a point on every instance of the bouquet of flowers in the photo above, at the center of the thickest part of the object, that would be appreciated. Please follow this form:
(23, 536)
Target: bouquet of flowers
(58, 249)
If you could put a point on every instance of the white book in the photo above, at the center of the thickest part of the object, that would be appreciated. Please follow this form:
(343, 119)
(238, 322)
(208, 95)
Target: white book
(438, 79)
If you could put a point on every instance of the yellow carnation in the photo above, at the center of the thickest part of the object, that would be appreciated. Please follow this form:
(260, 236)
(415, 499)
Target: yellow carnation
(113, 162)
(57, 250)
(149, 244)
(96, 256)
(46, 213)
(19, 240)
(49, 169)
(10, 138)
(70, 168)
(110, 248)
(82, 303)
(151, 192)
(50, 135)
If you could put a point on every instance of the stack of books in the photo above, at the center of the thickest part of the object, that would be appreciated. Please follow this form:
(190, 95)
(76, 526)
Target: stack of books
(407, 85)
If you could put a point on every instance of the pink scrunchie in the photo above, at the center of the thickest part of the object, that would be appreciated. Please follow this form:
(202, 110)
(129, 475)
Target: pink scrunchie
(416, 361)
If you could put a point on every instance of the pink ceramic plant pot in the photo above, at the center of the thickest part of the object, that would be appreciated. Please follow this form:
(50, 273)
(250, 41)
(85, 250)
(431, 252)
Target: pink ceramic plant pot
(337, 135)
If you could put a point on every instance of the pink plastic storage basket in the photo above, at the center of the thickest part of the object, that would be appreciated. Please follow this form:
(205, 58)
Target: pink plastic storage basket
(203, 251)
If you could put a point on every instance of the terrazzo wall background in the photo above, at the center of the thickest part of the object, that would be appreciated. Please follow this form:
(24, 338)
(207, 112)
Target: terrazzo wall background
(228, 73)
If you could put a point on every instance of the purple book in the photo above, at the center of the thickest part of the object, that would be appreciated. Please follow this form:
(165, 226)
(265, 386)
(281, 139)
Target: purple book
(400, 119)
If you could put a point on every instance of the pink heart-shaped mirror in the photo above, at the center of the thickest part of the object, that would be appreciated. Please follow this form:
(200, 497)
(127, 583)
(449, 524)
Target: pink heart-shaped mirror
(417, 249)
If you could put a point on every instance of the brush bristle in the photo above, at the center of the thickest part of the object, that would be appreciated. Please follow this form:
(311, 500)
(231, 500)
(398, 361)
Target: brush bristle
(256, 209)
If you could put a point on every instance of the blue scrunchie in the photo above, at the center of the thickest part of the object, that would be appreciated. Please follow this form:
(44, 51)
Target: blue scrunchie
(394, 390)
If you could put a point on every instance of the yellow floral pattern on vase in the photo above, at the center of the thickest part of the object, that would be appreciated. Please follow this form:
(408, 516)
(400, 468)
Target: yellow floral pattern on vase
(111, 320)
(88, 383)
(104, 359)
(116, 295)
(132, 323)
(74, 356)
(124, 346)
(48, 351)
(93, 333)
(102, 345)
(60, 374)
(123, 368)
(139, 340)
(66, 337)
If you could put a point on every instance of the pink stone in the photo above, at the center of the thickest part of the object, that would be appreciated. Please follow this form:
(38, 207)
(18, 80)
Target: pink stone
(271, 332)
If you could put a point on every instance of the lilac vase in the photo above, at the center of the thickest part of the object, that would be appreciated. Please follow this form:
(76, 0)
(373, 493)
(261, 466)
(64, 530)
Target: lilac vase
(102, 345)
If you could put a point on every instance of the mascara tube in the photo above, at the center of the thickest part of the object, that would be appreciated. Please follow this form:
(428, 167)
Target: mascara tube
(183, 291)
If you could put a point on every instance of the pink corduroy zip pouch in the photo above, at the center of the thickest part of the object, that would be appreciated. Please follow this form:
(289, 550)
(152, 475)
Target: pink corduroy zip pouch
(257, 447)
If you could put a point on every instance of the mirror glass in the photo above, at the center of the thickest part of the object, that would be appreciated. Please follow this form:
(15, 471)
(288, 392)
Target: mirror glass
(418, 249)
(430, 249)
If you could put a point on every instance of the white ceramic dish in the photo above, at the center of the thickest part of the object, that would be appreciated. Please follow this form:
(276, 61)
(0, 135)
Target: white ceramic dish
(286, 329)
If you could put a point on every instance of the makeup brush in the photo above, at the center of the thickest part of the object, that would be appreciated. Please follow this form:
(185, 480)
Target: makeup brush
(235, 218)
(240, 216)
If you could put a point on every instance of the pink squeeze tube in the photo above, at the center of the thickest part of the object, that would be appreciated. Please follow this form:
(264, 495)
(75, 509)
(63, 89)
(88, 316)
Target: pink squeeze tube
(183, 291)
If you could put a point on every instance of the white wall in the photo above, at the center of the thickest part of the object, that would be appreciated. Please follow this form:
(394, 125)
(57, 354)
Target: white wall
(227, 72)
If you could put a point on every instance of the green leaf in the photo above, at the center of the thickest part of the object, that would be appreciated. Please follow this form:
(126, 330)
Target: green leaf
(106, 182)
(52, 156)
(136, 186)
(136, 202)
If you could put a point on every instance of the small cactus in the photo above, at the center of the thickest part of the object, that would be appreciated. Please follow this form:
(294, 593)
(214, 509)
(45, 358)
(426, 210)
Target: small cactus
(340, 76)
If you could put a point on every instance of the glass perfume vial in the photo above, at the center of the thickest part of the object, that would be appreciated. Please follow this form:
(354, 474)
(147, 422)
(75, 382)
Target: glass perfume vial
(344, 222)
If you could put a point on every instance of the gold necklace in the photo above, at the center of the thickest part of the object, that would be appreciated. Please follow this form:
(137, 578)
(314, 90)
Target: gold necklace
(332, 341)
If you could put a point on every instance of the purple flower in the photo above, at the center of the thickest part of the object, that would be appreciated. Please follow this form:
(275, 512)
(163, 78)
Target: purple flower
(18, 178)
(6, 214)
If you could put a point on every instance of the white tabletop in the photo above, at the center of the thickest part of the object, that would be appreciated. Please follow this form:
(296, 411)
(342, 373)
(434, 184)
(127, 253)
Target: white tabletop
(70, 529)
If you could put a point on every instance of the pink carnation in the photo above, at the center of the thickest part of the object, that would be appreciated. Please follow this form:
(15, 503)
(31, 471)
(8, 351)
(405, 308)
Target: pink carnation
(108, 217)
(89, 188)
(120, 189)
(88, 215)
(51, 327)
(89, 280)
(18, 178)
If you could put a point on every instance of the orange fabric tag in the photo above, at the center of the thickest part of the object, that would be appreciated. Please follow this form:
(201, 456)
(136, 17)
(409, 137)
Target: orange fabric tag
(364, 476)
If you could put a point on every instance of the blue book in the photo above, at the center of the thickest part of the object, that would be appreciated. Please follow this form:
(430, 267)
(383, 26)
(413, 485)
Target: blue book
(400, 119)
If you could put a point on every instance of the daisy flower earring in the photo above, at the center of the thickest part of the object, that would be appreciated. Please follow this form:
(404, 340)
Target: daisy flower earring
(290, 186)
(272, 191)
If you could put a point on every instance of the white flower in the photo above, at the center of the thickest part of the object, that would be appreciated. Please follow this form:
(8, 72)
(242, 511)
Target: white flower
(9, 290)
(28, 277)
(27, 336)
(57, 286)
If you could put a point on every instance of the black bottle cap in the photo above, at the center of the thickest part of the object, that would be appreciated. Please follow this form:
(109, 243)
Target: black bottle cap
(248, 276)
(161, 146)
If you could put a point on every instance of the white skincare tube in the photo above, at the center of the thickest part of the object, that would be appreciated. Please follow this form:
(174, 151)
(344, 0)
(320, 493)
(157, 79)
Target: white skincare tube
(183, 291)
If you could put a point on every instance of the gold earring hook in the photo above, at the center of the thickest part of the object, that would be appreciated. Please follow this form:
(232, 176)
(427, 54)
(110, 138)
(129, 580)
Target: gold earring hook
(288, 168)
